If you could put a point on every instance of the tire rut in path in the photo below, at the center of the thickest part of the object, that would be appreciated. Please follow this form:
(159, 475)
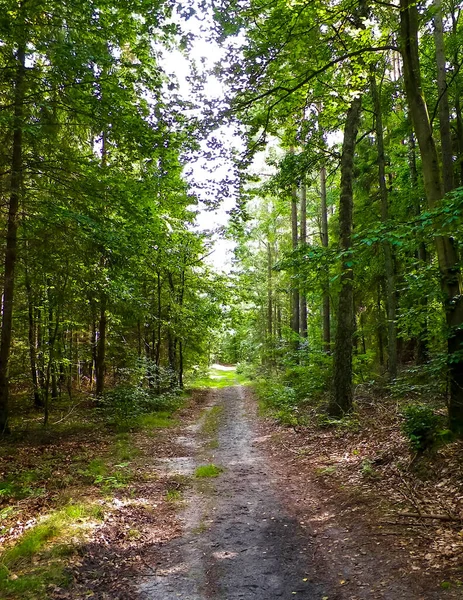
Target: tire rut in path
(239, 541)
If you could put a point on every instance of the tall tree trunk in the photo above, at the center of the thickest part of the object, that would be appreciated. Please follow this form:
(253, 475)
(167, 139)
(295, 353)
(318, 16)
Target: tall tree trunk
(180, 364)
(93, 348)
(380, 329)
(269, 292)
(139, 340)
(172, 338)
(387, 248)
(12, 234)
(100, 365)
(295, 321)
(303, 299)
(455, 14)
(159, 330)
(180, 342)
(421, 342)
(341, 398)
(447, 258)
(326, 279)
(38, 400)
(444, 111)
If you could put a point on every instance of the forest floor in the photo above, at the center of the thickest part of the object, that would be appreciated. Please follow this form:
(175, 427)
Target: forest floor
(220, 502)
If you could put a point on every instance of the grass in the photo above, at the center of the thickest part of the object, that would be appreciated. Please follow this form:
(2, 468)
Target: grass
(211, 420)
(173, 495)
(35, 560)
(208, 471)
(92, 460)
(218, 378)
(157, 420)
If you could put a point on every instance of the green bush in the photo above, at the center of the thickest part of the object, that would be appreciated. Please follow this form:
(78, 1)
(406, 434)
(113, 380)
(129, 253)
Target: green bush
(310, 381)
(422, 426)
(123, 406)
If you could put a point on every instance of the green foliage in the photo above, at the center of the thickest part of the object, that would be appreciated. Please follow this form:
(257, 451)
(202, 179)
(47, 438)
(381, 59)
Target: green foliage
(427, 380)
(311, 380)
(157, 420)
(422, 426)
(20, 485)
(128, 407)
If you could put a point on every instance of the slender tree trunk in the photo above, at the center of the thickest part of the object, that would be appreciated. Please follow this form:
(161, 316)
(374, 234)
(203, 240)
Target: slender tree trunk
(459, 121)
(180, 364)
(270, 305)
(455, 14)
(341, 399)
(100, 365)
(421, 342)
(172, 339)
(180, 342)
(326, 279)
(52, 331)
(11, 235)
(303, 299)
(159, 330)
(139, 340)
(387, 248)
(38, 400)
(278, 320)
(269, 292)
(93, 348)
(447, 258)
(444, 111)
(149, 363)
(295, 321)
(380, 330)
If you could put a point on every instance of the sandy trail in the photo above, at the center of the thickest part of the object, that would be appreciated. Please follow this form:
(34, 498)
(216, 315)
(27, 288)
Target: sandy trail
(239, 541)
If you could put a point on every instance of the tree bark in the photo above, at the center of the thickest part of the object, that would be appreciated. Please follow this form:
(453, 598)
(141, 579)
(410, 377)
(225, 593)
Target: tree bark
(391, 304)
(100, 365)
(159, 330)
(444, 111)
(326, 283)
(455, 14)
(422, 352)
(303, 299)
(38, 400)
(295, 321)
(12, 235)
(341, 398)
(447, 258)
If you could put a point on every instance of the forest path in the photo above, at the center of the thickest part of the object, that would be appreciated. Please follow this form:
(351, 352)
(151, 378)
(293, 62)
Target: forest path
(254, 533)
(239, 541)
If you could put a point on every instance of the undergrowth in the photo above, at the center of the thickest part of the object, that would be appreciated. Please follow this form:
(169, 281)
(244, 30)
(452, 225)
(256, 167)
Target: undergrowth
(63, 462)
(37, 559)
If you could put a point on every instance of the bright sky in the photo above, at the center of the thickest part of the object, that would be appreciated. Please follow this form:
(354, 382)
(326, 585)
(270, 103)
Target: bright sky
(205, 54)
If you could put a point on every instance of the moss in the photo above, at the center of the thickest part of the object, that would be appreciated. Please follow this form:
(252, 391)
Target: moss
(208, 471)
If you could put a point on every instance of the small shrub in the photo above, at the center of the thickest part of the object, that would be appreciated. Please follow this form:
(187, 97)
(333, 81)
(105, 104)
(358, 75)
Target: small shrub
(125, 406)
(422, 426)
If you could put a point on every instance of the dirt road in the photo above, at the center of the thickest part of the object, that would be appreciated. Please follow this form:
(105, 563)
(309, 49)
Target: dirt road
(239, 541)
